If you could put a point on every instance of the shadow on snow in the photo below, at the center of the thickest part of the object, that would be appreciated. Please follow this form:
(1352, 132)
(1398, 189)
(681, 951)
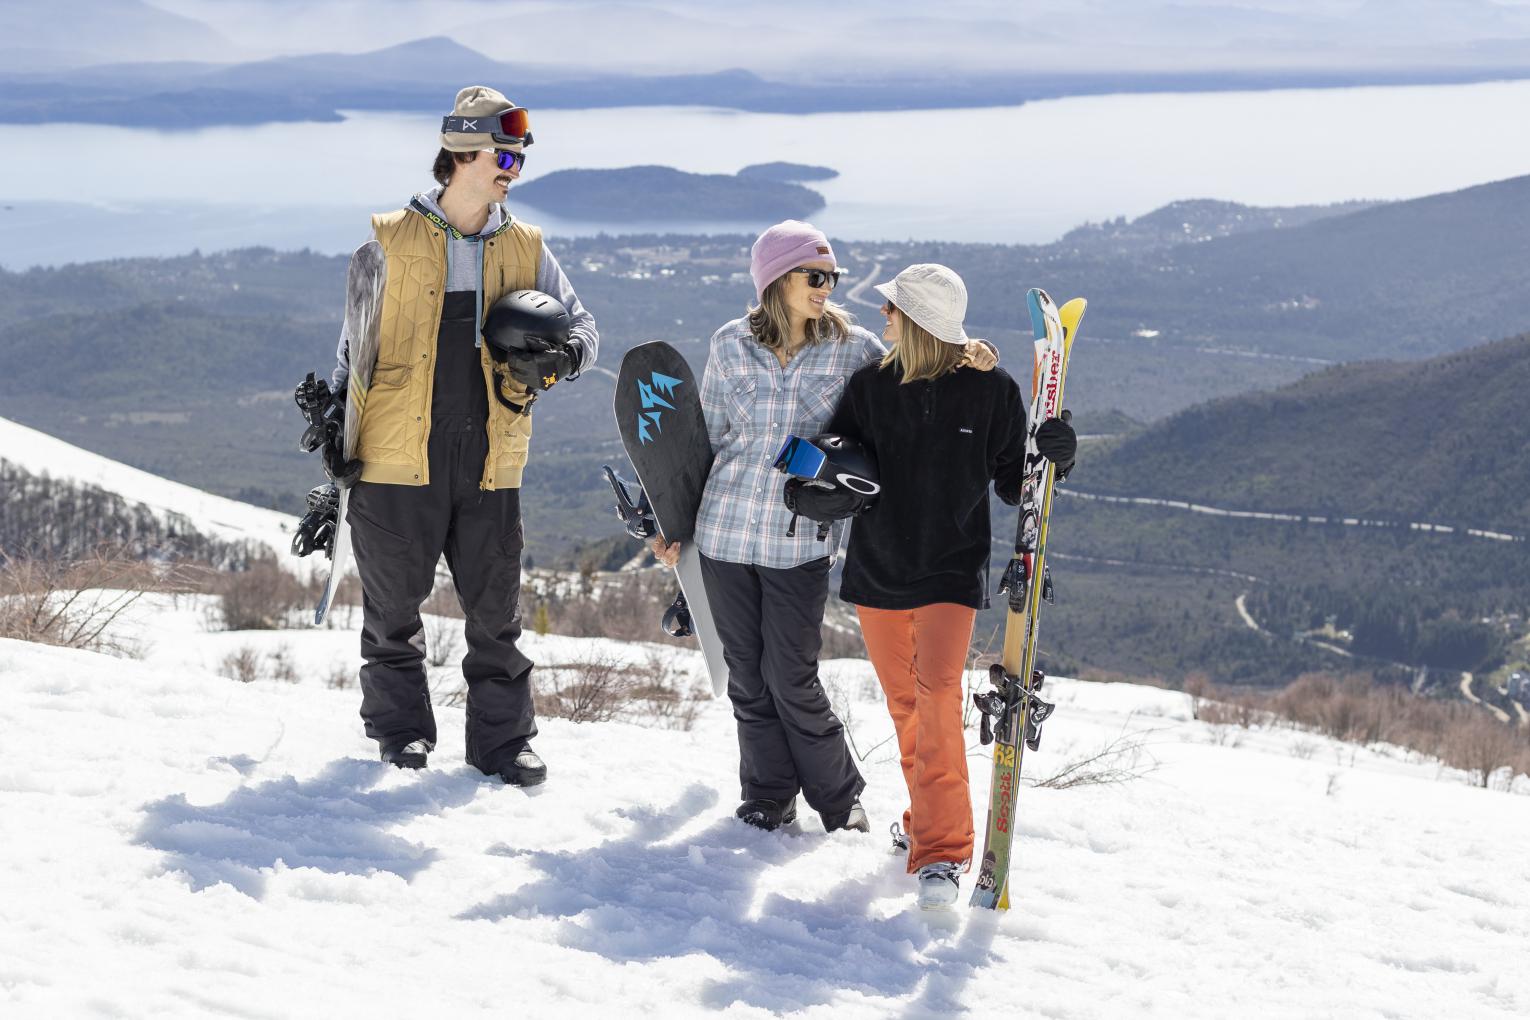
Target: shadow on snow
(336, 822)
(649, 896)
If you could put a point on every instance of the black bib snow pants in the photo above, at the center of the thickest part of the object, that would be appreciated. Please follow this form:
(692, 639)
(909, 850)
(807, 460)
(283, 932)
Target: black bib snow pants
(399, 533)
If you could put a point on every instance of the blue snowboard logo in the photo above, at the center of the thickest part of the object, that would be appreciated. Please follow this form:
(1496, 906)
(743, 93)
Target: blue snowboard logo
(653, 404)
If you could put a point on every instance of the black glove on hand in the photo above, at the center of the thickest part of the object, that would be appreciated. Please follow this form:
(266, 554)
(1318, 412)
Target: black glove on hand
(1058, 443)
(820, 503)
(344, 473)
(541, 370)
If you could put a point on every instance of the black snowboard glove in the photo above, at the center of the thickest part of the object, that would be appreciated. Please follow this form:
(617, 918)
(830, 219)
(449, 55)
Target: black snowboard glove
(344, 473)
(821, 503)
(1058, 443)
(542, 369)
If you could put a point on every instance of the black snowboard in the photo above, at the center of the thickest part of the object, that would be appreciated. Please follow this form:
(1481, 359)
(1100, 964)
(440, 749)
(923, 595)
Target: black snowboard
(658, 412)
(658, 409)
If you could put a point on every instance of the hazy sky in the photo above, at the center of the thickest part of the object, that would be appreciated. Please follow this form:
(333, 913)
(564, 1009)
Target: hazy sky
(848, 38)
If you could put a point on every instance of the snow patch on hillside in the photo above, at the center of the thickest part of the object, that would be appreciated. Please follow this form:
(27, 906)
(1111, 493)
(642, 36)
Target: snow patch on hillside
(215, 516)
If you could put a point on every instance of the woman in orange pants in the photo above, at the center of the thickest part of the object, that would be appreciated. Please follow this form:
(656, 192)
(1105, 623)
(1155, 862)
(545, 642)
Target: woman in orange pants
(917, 564)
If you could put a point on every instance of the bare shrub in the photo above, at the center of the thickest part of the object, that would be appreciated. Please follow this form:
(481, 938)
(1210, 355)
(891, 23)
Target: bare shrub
(1482, 747)
(1235, 710)
(340, 677)
(1123, 758)
(75, 603)
(659, 694)
(1303, 749)
(593, 689)
(260, 597)
(242, 665)
(1225, 734)
(601, 688)
(280, 665)
(443, 632)
(1354, 710)
(843, 707)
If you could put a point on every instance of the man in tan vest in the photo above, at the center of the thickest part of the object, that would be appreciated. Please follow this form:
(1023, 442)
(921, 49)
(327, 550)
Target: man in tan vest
(439, 456)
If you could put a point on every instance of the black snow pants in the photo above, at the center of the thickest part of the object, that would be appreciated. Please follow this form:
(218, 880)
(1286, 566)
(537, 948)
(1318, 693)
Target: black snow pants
(399, 533)
(789, 738)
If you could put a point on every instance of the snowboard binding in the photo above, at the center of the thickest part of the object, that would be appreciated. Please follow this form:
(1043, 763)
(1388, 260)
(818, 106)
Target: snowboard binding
(635, 514)
(317, 528)
(1000, 707)
(322, 409)
(677, 618)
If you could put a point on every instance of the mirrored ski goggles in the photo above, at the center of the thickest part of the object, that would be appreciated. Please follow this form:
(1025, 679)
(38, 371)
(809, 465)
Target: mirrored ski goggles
(820, 278)
(508, 160)
(508, 126)
(800, 458)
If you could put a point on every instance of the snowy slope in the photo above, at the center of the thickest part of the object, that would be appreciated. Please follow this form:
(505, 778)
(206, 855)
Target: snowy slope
(216, 516)
(178, 844)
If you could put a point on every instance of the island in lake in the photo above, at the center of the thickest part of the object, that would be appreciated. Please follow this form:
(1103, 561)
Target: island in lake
(791, 173)
(635, 194)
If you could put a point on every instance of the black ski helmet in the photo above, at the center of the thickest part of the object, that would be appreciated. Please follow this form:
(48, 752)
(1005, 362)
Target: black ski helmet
(847, 465)
(528, 332)
(842, 485)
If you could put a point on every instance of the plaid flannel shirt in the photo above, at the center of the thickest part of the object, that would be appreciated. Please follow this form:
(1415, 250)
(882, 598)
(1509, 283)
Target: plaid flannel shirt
(751, 405)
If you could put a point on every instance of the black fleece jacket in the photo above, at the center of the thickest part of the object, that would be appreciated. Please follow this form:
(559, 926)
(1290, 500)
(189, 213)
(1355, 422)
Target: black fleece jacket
(937, 446)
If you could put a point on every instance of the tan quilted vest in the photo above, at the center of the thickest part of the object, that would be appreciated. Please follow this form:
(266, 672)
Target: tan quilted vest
(395, 422)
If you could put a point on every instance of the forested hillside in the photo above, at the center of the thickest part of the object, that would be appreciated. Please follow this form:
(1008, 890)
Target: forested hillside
(1383, 445)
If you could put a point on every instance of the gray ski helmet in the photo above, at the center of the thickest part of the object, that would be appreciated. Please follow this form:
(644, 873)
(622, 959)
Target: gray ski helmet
(528, 337)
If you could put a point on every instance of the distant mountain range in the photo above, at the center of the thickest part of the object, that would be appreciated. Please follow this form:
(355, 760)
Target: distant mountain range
(409, 77)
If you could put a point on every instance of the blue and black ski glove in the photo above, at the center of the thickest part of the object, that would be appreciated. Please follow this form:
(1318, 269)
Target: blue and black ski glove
(1058, 443)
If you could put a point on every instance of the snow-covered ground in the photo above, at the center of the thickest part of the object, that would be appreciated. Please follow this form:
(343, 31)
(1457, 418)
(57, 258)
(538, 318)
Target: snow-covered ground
(176, 843)
(215, 516)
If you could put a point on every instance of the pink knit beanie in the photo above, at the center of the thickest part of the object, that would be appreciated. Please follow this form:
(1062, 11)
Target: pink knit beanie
(784, 247)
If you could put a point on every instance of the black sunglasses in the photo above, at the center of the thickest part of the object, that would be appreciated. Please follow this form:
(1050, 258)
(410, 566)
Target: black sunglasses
(819, 278)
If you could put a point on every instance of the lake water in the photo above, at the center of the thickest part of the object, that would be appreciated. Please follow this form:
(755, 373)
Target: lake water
(1011, 174)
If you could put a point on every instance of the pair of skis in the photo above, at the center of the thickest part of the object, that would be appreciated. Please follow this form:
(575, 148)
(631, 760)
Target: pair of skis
(1012, 712)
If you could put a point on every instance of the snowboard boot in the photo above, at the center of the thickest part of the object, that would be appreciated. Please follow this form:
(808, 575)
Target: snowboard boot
(409, 756)
(938, 885)
(899, 839)
(767, 814)
(526, 770)
(854, 819)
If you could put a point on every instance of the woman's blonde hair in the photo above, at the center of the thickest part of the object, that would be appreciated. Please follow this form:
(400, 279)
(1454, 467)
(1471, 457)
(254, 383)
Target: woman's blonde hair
(918, 354)
(771, 322)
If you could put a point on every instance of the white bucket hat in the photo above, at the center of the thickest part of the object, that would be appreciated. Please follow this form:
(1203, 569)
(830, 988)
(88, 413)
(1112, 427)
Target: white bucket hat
(934, 297)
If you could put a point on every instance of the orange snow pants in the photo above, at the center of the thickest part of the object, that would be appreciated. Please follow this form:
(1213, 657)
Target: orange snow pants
(919, 655)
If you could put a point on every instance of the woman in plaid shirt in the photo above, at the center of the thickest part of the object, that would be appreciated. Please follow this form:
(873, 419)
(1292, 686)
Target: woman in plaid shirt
(778, 371)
